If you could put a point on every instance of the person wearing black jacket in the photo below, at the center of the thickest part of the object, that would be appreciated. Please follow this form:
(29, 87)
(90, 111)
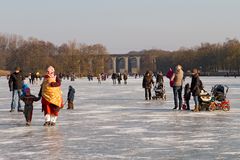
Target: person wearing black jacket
(147, 84)
(15, 85)
(196, 86)
(187, 95)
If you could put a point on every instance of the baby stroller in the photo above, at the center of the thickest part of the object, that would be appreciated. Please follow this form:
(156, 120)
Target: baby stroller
(219, 93)
(159, 91)
(205, 100)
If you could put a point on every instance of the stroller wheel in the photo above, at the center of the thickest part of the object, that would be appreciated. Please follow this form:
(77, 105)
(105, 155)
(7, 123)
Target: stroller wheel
(226, 107)
(212, 106)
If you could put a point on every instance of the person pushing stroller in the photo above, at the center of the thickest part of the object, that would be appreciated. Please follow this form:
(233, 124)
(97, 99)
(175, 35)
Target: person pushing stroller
(147, 85)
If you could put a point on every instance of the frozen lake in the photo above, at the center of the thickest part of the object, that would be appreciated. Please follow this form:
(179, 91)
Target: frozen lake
(115, 122)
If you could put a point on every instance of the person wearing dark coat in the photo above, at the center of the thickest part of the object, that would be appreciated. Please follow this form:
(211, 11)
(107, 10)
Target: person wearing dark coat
(125, 77)
(196, 86)
(114, 77)
(119, 78)
(70, 97)
(15, 85)
(28, 99)
(187, 95)
(147, 84)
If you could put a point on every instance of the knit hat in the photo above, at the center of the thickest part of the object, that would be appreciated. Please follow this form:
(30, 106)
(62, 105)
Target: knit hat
(27, 91)
(50, 71)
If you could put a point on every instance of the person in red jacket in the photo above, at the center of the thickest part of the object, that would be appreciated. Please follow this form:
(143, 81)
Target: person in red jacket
(51, 97)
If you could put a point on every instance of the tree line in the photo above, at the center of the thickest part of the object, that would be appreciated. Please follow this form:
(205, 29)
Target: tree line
(210, 59)
(34, 55)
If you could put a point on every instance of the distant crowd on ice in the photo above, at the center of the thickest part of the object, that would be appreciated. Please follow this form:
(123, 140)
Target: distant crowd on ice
(51, 95)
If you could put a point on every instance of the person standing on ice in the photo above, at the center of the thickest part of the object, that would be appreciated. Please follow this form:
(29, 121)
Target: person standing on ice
(125, 77)
(147, 84)
(114, 77)
(15, 86)
(51, 97)
(177, 79)
(196, 87)
(70, 97)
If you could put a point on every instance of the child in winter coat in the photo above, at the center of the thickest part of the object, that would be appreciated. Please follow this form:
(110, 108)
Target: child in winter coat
(28, 99)
(70, 97)
(187, 95)
(24, 87)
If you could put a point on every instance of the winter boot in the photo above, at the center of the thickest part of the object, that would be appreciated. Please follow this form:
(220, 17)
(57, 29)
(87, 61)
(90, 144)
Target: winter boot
(47, 120)
(196, 109)
(53, 120)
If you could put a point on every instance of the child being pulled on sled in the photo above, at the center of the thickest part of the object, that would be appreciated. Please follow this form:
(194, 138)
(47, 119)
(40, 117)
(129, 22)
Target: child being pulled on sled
(28, 100)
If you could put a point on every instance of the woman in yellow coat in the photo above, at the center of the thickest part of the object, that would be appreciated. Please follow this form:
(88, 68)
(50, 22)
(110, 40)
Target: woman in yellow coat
(51, 97)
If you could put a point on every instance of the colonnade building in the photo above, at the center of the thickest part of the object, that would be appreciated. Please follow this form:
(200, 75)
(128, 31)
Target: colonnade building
(124, 63)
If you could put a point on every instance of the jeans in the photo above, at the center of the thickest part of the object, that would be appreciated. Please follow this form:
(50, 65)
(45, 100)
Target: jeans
(148, 93)
(196, 101)
(177, 93)
(16, 99)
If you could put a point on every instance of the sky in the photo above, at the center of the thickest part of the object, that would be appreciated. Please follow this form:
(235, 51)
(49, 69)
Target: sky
(123, 25)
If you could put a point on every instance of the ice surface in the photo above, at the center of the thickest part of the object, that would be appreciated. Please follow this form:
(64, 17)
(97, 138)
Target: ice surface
(115, 122)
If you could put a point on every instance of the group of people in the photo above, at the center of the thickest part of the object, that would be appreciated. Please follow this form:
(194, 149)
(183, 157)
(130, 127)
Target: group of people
(50, 94)
(194, 89)
(176, 78)
(34, 77)
(118, 77)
